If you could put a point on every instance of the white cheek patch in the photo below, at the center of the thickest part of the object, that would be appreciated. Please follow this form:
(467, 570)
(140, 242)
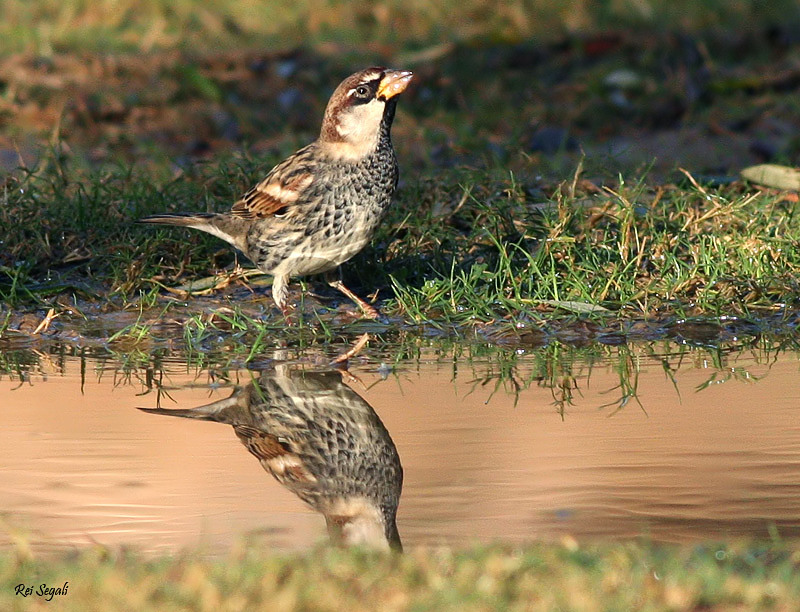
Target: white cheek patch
(358, 128)
(361, 521)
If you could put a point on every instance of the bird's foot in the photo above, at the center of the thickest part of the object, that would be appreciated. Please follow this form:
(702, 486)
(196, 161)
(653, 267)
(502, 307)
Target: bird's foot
(289, 313)
(355, 349)
(368, 310)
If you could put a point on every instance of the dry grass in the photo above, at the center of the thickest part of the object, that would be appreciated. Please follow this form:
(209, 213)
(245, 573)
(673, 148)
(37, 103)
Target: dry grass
(539, 577)
(50, 26)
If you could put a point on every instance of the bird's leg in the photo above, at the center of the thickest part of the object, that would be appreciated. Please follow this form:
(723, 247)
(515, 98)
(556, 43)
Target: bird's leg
(370, 312)
(280, 294)
(341, 360)
(287, 311)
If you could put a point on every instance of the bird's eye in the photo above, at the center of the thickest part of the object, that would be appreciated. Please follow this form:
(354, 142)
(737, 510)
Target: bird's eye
(362, 91)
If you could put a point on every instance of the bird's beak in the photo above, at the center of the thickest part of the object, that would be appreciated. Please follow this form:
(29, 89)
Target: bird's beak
(393, 83)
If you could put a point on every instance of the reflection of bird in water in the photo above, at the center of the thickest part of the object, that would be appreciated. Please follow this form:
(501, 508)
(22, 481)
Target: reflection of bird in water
(321, 440)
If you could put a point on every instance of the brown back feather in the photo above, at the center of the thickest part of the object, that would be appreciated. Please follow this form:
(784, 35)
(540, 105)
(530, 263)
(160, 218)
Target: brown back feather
(283, 187)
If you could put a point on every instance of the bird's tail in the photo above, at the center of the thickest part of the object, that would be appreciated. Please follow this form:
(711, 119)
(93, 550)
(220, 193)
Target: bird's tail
(231, 229)
(216, 411)
(196, 220)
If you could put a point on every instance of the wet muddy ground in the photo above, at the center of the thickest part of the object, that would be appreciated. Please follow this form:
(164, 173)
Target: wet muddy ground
(224, 321)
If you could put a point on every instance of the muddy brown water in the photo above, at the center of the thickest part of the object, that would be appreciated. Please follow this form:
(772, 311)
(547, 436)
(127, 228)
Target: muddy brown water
(708, 451)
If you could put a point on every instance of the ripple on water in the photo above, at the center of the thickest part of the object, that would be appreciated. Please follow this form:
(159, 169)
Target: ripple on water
(509, 445)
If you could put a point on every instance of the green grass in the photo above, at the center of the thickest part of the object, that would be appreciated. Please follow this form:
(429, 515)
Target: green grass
(570, 576)
(483, 251)
(557, 355)
(636, 250)
(486, 233)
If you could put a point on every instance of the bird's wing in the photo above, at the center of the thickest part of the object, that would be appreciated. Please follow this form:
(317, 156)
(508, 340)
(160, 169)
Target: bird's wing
(281, 190)
(276, 455)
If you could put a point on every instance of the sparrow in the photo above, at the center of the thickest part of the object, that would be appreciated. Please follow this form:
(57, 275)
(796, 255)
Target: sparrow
(320, 206)
(323, 442)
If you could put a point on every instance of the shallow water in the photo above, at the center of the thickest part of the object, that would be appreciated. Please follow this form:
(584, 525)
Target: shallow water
(666, 442)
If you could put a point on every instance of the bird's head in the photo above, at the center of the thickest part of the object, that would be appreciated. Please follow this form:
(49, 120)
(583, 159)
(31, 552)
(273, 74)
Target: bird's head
(360, 108)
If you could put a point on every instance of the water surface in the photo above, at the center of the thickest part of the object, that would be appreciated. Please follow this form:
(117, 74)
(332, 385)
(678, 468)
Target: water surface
(667, 442)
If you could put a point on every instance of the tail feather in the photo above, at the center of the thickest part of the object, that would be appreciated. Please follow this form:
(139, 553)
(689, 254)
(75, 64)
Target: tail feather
(218, 411)
(227, 227)
(185, 219)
